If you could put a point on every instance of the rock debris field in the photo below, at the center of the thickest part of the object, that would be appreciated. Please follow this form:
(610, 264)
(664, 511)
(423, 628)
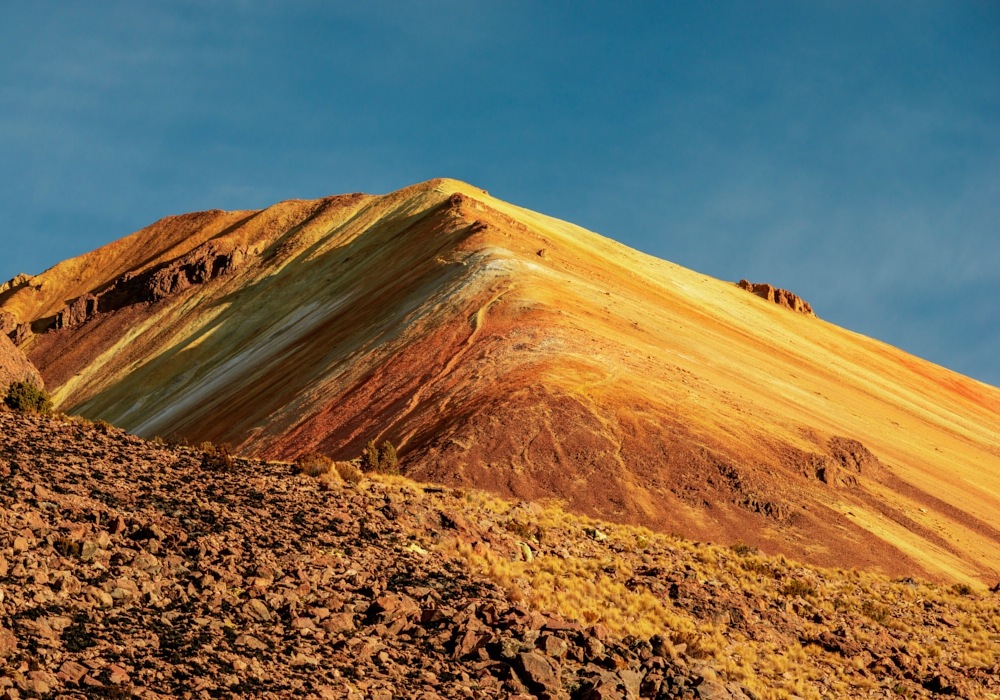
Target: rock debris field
(133, 569)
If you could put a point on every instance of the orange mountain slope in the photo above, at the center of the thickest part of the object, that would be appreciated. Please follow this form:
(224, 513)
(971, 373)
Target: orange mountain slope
(508, 350)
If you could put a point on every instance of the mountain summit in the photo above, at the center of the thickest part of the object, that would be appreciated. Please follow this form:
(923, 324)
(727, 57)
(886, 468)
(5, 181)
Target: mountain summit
(501, 348)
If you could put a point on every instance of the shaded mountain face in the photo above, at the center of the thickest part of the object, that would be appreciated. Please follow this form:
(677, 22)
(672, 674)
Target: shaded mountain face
(500, 348)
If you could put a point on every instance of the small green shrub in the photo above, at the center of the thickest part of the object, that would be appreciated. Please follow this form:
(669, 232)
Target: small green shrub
(525, 532)
(26, 397)
(875, 612)
(387, 461)
(217, 458)
(381, 460)
(744, 550)
(369, 460)
(796, 587)
(758, 567)
(961, 589)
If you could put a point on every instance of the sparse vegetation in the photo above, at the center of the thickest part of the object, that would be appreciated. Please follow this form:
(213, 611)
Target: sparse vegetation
(348, 472)
(525, 532)
(67, 546)
(961, 589)
(314, 464)
(611, 582)
(875, 611)
(380, 460)
(798, 588)
(217, 457)
(26, 397)
(329, 473)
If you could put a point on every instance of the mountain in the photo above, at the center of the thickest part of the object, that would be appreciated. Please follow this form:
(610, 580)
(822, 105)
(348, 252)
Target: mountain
(501, 348)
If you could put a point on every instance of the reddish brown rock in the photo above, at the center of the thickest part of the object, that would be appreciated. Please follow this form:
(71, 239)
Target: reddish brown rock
(839, 644)
(78, 312)
(73, 672)
(781, 297)
(537, 671)
(21, 334)
(8, 642)
(8, 322)
(14, 366)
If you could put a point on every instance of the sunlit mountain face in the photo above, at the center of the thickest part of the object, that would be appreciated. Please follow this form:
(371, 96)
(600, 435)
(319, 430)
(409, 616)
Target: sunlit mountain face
(503, 349)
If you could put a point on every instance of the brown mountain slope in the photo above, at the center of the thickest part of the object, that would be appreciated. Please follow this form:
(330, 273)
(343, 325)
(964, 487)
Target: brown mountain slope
(135, 570)
(502, 348)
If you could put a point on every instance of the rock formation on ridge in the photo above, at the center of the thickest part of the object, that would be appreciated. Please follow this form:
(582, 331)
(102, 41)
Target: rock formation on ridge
(781, 297)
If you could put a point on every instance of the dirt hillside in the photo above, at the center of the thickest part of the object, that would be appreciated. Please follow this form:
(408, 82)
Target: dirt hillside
(131, 569)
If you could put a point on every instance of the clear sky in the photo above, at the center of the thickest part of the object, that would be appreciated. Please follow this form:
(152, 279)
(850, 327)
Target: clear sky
(847, 151)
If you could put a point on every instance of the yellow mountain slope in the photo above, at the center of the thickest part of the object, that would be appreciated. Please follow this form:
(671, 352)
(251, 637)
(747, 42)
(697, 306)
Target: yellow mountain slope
(505, 349)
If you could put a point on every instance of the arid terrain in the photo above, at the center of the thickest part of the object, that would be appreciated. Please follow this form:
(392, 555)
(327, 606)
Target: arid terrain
(526, 356)
(134, 569)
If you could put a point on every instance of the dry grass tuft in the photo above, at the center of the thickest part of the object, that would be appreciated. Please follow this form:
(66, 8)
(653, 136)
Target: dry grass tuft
(313, 464)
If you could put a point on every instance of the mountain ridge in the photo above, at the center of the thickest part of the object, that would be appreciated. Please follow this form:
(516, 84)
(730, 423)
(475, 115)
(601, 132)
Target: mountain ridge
(503, 348)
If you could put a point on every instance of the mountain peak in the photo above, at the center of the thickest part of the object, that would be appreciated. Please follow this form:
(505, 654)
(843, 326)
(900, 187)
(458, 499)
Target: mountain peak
(499, 347)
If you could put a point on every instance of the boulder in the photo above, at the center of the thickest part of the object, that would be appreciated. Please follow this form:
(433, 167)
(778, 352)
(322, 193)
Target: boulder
(538, 672)
(15, 367)
(8, 322)
(781, 297)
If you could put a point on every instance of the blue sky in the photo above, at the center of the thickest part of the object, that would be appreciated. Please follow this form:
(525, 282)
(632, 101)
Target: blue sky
(848, 151)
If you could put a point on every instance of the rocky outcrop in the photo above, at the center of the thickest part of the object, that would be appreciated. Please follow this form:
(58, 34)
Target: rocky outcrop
(853, 456)
(781, 297)
(845, 460)
(8, 322)
(77, 312)
(21, 333)
(204, 263)
(18, 281)
(200, 265)
(14, 366)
